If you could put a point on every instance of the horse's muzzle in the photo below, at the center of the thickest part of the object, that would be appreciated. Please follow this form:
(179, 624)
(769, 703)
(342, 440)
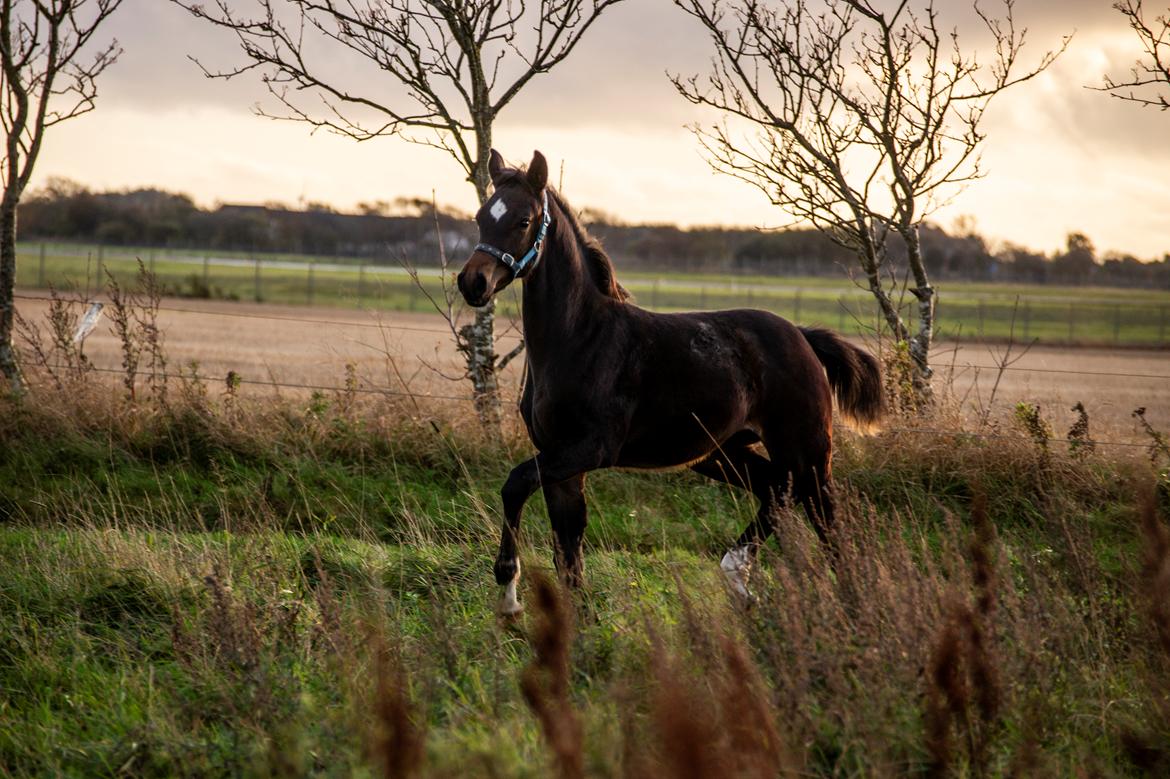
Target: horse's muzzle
(473, 287)
(481, 278)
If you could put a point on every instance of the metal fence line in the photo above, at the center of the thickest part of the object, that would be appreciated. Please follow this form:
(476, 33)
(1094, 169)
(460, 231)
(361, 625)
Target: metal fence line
(415, 396)
(973, 434)
(145, 374)
(278, 318)
(382, 326)
(1064, 370)
(1105, 322)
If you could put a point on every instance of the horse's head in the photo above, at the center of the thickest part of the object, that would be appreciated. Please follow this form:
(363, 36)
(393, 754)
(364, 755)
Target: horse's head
(512, 226)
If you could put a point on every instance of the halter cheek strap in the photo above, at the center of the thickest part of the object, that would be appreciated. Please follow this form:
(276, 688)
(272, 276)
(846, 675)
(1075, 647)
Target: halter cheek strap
(524, 265)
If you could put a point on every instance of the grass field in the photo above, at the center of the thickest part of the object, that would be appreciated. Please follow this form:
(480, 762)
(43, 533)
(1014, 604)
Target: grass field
(1057, 315)
(213, 582)
(220, 587)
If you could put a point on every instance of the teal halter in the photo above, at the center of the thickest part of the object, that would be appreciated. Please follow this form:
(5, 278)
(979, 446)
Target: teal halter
(525, 264)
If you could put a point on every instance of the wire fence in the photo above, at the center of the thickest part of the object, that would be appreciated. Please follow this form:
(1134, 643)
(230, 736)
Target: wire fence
(416, 396)
(446, 331)
(1115, 317)
(981, 435)
(368, 390)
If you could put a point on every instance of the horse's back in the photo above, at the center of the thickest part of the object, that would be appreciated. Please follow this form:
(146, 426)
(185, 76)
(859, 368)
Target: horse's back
(704, 377)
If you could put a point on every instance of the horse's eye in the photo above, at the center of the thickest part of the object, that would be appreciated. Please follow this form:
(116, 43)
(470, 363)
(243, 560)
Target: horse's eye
(523, 223)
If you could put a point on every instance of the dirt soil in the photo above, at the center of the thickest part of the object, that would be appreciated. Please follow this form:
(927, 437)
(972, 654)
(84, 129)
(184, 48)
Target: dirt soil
(399, 351)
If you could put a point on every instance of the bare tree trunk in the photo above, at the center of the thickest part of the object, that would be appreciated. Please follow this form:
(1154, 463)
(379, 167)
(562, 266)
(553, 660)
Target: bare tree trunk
(478, 340)
(8, 366)
(478, 347)
(922, 290)
(871, 264)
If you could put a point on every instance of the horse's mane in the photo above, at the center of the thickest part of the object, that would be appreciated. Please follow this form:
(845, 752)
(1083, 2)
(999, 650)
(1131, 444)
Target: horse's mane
(600, 267)
(597, 262)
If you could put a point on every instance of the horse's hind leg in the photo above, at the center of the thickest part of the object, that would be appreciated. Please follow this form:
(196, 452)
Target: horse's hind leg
(814, 489)
(809, 474)
(743, 467)
(567, 514)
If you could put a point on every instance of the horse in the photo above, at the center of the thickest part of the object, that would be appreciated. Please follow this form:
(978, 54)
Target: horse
(612, 385)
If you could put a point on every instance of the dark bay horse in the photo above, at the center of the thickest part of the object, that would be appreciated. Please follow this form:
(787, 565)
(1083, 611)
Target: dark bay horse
(613, 385)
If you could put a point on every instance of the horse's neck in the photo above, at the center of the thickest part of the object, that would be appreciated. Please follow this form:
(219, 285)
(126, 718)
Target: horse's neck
(559, 297)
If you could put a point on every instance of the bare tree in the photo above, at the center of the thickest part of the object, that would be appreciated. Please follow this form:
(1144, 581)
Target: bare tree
(43, 82)
(457, 63)
(857, 120)
(1148, 83)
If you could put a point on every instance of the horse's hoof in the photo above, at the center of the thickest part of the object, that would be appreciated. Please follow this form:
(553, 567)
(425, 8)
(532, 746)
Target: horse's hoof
(510, 604)
(510, 611)
(736, 567)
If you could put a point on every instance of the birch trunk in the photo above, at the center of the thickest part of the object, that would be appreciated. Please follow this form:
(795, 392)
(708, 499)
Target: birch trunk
(477, 341)
(8, 365)
(926, 296)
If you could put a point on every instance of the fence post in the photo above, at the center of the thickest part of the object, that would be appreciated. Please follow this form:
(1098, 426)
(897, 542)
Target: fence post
(982, 314)
(1027, 318)
(1161, 325)
(256, 261)
(310, 292)
(41, 268)
(1116, 322)
(152, 262)
(361, 283)
(207, 273)
(413, 295)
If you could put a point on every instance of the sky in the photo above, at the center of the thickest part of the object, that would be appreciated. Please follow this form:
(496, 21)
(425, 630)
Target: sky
(1059, 157)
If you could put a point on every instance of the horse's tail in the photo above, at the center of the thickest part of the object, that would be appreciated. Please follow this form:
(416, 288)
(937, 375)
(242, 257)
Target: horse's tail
(854, 375)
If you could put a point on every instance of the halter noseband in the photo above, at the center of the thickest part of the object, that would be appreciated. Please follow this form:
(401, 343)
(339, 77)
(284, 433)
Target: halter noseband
(532, 256)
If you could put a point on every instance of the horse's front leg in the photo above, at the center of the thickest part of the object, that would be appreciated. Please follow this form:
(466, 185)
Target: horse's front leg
(525, 479)
(521, 483)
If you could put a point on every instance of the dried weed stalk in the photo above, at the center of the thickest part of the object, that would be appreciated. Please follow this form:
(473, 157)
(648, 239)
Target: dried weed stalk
(134, 318)
(964, 691)
(1149, 748)
(545, 681)
(1080, 442)
(58, 354)
(397, 746)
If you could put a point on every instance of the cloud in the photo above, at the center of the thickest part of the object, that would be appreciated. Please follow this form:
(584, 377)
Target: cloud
(1060, 156)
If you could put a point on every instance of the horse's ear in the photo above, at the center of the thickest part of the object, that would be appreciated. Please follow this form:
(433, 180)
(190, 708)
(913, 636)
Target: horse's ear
(495, 164)
(538, 172)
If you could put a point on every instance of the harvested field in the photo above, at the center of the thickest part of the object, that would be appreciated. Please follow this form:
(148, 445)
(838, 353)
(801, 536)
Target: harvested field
(301, 345)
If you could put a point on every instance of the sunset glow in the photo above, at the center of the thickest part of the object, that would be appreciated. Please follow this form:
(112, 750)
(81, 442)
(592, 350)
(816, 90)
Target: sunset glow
(1060, 157)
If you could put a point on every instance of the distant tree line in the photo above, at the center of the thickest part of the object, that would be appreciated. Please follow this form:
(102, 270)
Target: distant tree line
(384, 232)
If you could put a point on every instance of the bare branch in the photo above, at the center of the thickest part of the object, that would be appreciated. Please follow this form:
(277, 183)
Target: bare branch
(47, 77)
(441, 59)
(859, 120)
(1148, 82)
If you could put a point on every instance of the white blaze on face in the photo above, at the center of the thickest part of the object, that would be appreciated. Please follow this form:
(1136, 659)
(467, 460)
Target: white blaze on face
(511, 604)
(498, 209)
(737, 565)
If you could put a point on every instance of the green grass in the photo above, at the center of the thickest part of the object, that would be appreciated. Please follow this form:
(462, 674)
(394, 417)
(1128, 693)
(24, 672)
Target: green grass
(203, 590)
(1082, 315)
